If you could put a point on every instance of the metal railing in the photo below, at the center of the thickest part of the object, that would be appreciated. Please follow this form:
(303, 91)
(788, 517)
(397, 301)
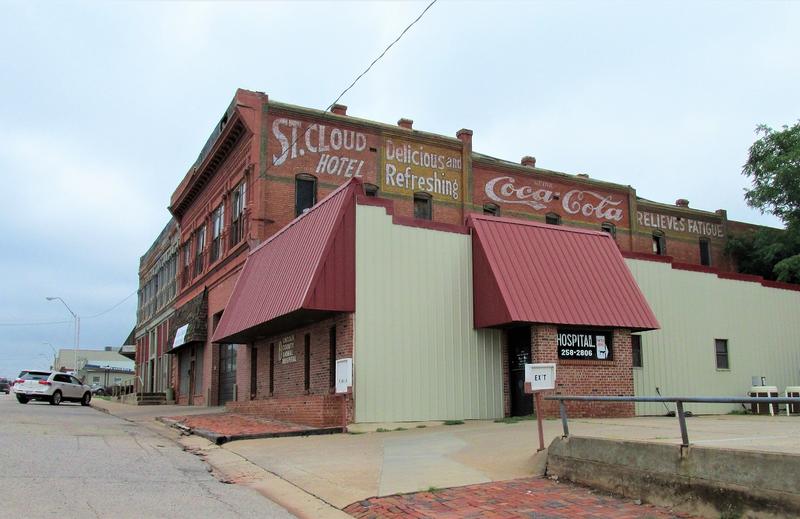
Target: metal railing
(678, 400)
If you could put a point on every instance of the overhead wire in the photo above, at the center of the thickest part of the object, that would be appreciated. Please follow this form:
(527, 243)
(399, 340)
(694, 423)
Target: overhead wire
(46, 323)
(366, 70)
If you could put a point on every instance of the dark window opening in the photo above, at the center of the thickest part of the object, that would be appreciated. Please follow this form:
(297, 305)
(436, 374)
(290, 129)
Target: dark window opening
(423, 206)
(659, 243)
(371, 190)
(332, 363)
(307, 360)
(271, 368)
(492, 209)
(610, 228)
(253, 372)
(705, 252)
(636, 350)
(187, 264)
(215, 319)
(552, 219)
(721, 350)
(305, 193)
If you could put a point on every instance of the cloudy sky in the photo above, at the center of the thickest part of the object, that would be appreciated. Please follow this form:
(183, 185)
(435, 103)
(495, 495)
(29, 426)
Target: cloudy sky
(104, 105)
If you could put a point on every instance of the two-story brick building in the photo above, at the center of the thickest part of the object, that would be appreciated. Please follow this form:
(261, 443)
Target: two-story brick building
(267, 163)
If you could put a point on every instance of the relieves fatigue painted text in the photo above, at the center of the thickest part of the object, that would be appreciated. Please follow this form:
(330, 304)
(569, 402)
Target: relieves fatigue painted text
(666, 222)
(590, 204)
(584, 345)
(334, 146)
(413, 167)
(286, 350)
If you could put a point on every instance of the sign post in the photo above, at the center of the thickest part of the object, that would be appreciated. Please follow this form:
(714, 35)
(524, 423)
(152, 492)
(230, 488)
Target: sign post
(344, 385)
(538, 378)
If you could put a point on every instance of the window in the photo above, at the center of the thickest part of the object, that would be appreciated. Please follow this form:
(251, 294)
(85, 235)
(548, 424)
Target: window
(200, 245)
(610, 228)
(187, 261)
(307, 361)
(423, 206)
(117, 380)
(95, 380)
(659, 243)
(61, 378)
(305, 193)
(238, 203)
(552, 219)
(370, 189)
(492, 209)
(271, 368)
(636, 350)
(253, 372)
(721, 350)
(217, 219)
(332, 364)
(705, 252)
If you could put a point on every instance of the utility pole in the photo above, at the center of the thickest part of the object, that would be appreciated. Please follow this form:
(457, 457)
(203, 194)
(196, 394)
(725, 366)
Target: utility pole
(77, 328)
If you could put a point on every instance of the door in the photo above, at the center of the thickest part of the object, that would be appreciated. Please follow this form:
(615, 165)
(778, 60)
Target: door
(77, 388)
(519, 354)
(190, 378)
(227, 372)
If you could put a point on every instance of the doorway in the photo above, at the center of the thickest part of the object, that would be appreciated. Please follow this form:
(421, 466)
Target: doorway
(519, 354)
(227, 372)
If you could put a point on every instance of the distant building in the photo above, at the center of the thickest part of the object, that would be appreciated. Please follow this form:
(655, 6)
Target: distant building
(106, 367)
(157, 275)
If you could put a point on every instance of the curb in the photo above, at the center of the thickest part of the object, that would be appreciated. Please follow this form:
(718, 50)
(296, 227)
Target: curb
(221, 439)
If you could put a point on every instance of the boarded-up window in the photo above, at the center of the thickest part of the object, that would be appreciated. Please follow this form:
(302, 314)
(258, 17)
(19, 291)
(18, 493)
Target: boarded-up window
(636, 350)
(552, 218)
(659, 243)
(423, 206)
(307, 361)
(705, 252)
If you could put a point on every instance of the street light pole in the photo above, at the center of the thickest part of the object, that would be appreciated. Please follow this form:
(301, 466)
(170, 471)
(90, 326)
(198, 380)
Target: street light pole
(77, 328)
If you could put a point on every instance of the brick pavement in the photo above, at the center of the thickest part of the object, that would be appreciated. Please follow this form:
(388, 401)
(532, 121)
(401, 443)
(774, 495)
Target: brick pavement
(235, 424)
(532, 498)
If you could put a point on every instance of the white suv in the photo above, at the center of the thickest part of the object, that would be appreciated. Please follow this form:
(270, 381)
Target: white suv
(52, 387)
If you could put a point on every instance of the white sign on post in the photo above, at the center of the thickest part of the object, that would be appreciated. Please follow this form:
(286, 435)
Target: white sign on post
(540, 377)
(344, 375)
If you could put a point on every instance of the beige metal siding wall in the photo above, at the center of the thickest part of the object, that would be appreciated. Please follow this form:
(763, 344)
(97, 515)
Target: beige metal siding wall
(416, 353)
(762, 326)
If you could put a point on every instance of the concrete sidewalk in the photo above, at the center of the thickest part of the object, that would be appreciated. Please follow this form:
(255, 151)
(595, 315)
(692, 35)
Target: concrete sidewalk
(342, 469)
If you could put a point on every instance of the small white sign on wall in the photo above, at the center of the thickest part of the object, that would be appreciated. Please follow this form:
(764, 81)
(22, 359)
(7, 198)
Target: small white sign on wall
(344, 375)
(540, 377)
(180, 336)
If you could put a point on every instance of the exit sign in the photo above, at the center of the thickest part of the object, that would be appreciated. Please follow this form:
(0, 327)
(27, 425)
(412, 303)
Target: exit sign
(540, 377)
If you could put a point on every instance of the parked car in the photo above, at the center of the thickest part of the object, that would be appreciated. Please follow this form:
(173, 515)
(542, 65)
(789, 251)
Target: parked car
(5, 385)
(51, 387)
(98, 389)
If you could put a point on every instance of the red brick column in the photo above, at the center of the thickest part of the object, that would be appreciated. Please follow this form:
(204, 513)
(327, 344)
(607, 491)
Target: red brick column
(586, 377)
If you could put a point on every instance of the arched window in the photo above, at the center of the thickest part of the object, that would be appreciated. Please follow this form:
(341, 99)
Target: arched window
(423, 206)
(492, 209)
(552, 218)
(659, 243)
(370, 189)
(305, 193)
(610, 228)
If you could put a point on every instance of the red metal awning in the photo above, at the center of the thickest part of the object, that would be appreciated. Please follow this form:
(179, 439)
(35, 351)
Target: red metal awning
(303, 271)
(529, 272)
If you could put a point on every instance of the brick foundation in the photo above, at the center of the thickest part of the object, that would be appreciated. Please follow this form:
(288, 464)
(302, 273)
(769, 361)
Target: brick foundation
(313, 410)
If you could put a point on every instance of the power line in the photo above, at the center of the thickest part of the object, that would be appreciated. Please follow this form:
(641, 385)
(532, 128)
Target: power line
(46, 323)
(409, 26)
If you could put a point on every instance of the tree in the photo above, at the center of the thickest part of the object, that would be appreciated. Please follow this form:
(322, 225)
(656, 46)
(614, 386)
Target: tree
(773, 165)
(774, 168)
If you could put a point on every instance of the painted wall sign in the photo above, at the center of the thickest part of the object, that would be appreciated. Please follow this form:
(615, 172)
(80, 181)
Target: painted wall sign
(540, 377)
(335, 151)
(668, 222)
(584, 345)
(180, 336)
(286, 350)
(545, 196)
(344, 375)
(411, 167)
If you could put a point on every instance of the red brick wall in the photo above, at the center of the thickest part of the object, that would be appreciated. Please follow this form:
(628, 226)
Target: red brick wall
(313, 410)
(289, 383)
(589, 378)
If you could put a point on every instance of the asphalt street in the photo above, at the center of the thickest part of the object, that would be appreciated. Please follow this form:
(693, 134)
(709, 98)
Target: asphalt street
(74, 461)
